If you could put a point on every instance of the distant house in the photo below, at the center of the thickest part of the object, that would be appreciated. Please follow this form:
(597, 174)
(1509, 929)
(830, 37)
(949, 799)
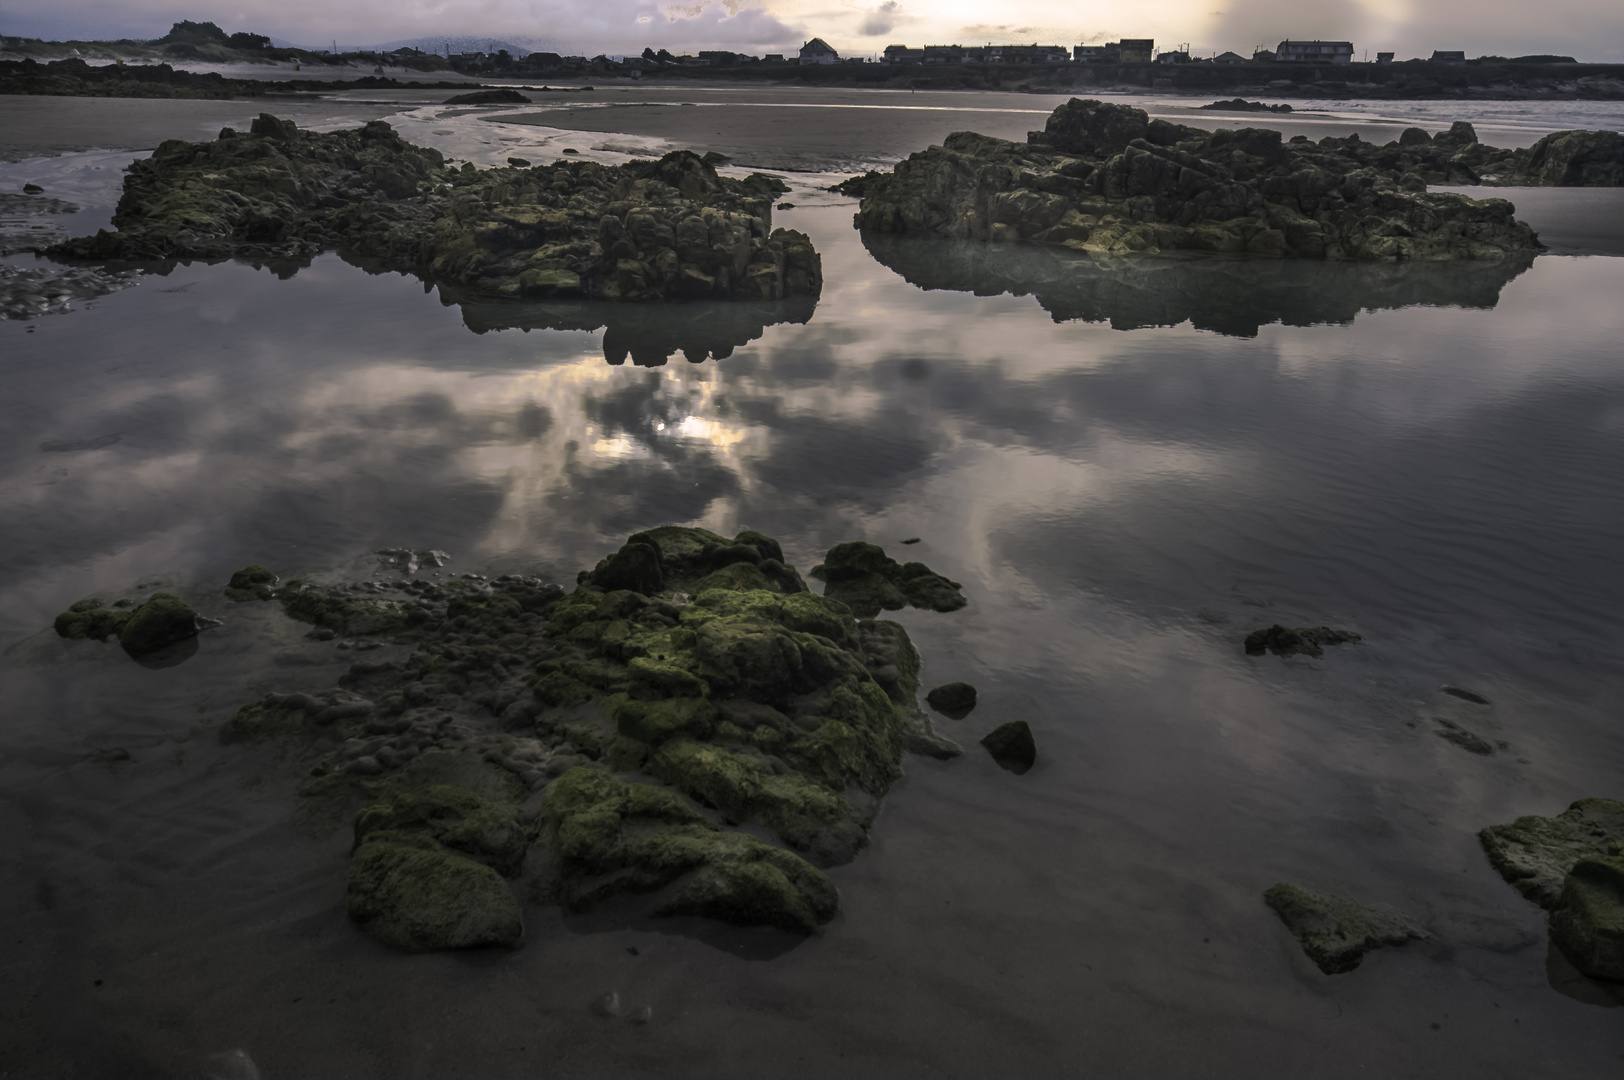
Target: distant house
(902, 54)
(1088, 54)
(944, 54)
(1262, 56)
(1449, 56)
(1315, 52)
(1229, 58)
(818, 51)
(773, 58)
(1174, 57)
(1136, 50)
(1384, 58)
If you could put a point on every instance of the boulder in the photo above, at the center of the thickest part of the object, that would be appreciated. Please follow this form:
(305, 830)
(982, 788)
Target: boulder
(163, 620)
(954, 700)
(1534, 854)
(90, 619)
(867, 580)
(410, 892)
(1012, 746)
(1587, 923)
(251, 583)
(1336, 933)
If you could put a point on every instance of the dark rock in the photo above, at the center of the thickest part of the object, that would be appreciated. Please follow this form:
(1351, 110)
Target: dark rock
(635, 567)
(1012, 746)
(408, 891)
(1105, 178)
(1572, 159)
(1465, 695)
(1242, 105)
(867, 580)
(1534, 854)
(684, 231)
(33, 189)
(90, 619)
(162, 621)
(1469, 741)
(251, 583)
(1588, 921)
(785, 206)
(954, 700)
(1335, 933)
(489, 97)
(519, 162)
(1289, 641)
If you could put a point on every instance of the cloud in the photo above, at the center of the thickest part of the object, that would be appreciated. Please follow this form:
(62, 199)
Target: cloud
(881, 20)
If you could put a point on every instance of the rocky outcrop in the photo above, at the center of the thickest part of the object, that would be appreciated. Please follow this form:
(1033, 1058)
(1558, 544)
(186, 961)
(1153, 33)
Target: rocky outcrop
(702, 730)
(647, 230)
(1336, 933)
(144, 630)
(1227, 296)
(1108, 179)
(867, 580)
(1572, 865)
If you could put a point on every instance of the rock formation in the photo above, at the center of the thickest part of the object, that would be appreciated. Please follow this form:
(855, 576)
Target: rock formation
(1336, 933)
(1572, 865)
(1105, 178)
(700, 727)
(646, 230)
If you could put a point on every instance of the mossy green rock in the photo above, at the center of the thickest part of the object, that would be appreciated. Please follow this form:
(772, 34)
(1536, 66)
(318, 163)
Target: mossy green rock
(1012, 746)
(164, 620)
(867, 580)
(252, 582)
(1588, 922)
(480, 829)
(1333, 932)
(407, 890)
(609, 836)
(1534, 854)
(89, 619)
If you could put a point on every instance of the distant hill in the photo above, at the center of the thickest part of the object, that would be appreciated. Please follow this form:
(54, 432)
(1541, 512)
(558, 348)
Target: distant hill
(516, 45)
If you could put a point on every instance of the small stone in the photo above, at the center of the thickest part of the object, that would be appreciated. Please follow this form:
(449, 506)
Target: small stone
(608, 1004)
(1465, 695)
(33, 189)
(643, 1015)
(1289, 641)
(953, 700)
(1012, 746)
(785, 206)
(519, 162)
(1469, 741)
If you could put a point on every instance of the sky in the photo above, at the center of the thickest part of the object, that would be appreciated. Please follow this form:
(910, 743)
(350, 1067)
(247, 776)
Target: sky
(1590, 30)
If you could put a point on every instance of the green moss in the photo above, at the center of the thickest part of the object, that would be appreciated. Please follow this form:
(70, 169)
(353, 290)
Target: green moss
(657, 678)
(750, 884)
(866, 579)
(654, 722)
(164, 620)
(483, 830)
(345, 614)
(409, 891)
(635, 567)
(561, 691)
(262, 721)
(252, 582)
(88, 619)
(738, 576)
(1588, 923)
(1534, 854)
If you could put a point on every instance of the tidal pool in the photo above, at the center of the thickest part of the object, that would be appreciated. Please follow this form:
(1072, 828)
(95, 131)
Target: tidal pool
(1128, 466)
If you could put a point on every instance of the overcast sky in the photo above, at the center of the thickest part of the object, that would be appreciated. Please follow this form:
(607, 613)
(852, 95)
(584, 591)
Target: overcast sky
(1587, 29)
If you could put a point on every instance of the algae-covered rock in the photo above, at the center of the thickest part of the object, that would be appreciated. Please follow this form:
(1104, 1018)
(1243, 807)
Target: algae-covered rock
(1535, 854)
(608, 836)
(1105, 178)
(163, 620)
(1588, 921)
(672, 229)
(1289, 641)
(411, 892)
(252, 582)
(1336, 933)
(677, 736)
(954, 700)
(90, 619)
(867, 580)
(489, 97)
(1012, 746)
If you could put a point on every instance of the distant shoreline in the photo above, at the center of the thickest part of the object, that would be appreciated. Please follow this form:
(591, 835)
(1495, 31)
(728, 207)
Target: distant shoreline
(1409, 81)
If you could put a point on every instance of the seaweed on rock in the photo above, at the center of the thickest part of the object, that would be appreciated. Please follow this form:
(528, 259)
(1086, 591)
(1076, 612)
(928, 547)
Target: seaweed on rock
(643, 231)
(699, 725)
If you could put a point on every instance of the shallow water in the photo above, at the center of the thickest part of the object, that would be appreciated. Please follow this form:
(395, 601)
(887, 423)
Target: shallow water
(1128, 466)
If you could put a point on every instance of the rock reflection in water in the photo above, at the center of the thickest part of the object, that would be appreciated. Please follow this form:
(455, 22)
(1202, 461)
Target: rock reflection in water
(648, 334)
(1227, 295)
